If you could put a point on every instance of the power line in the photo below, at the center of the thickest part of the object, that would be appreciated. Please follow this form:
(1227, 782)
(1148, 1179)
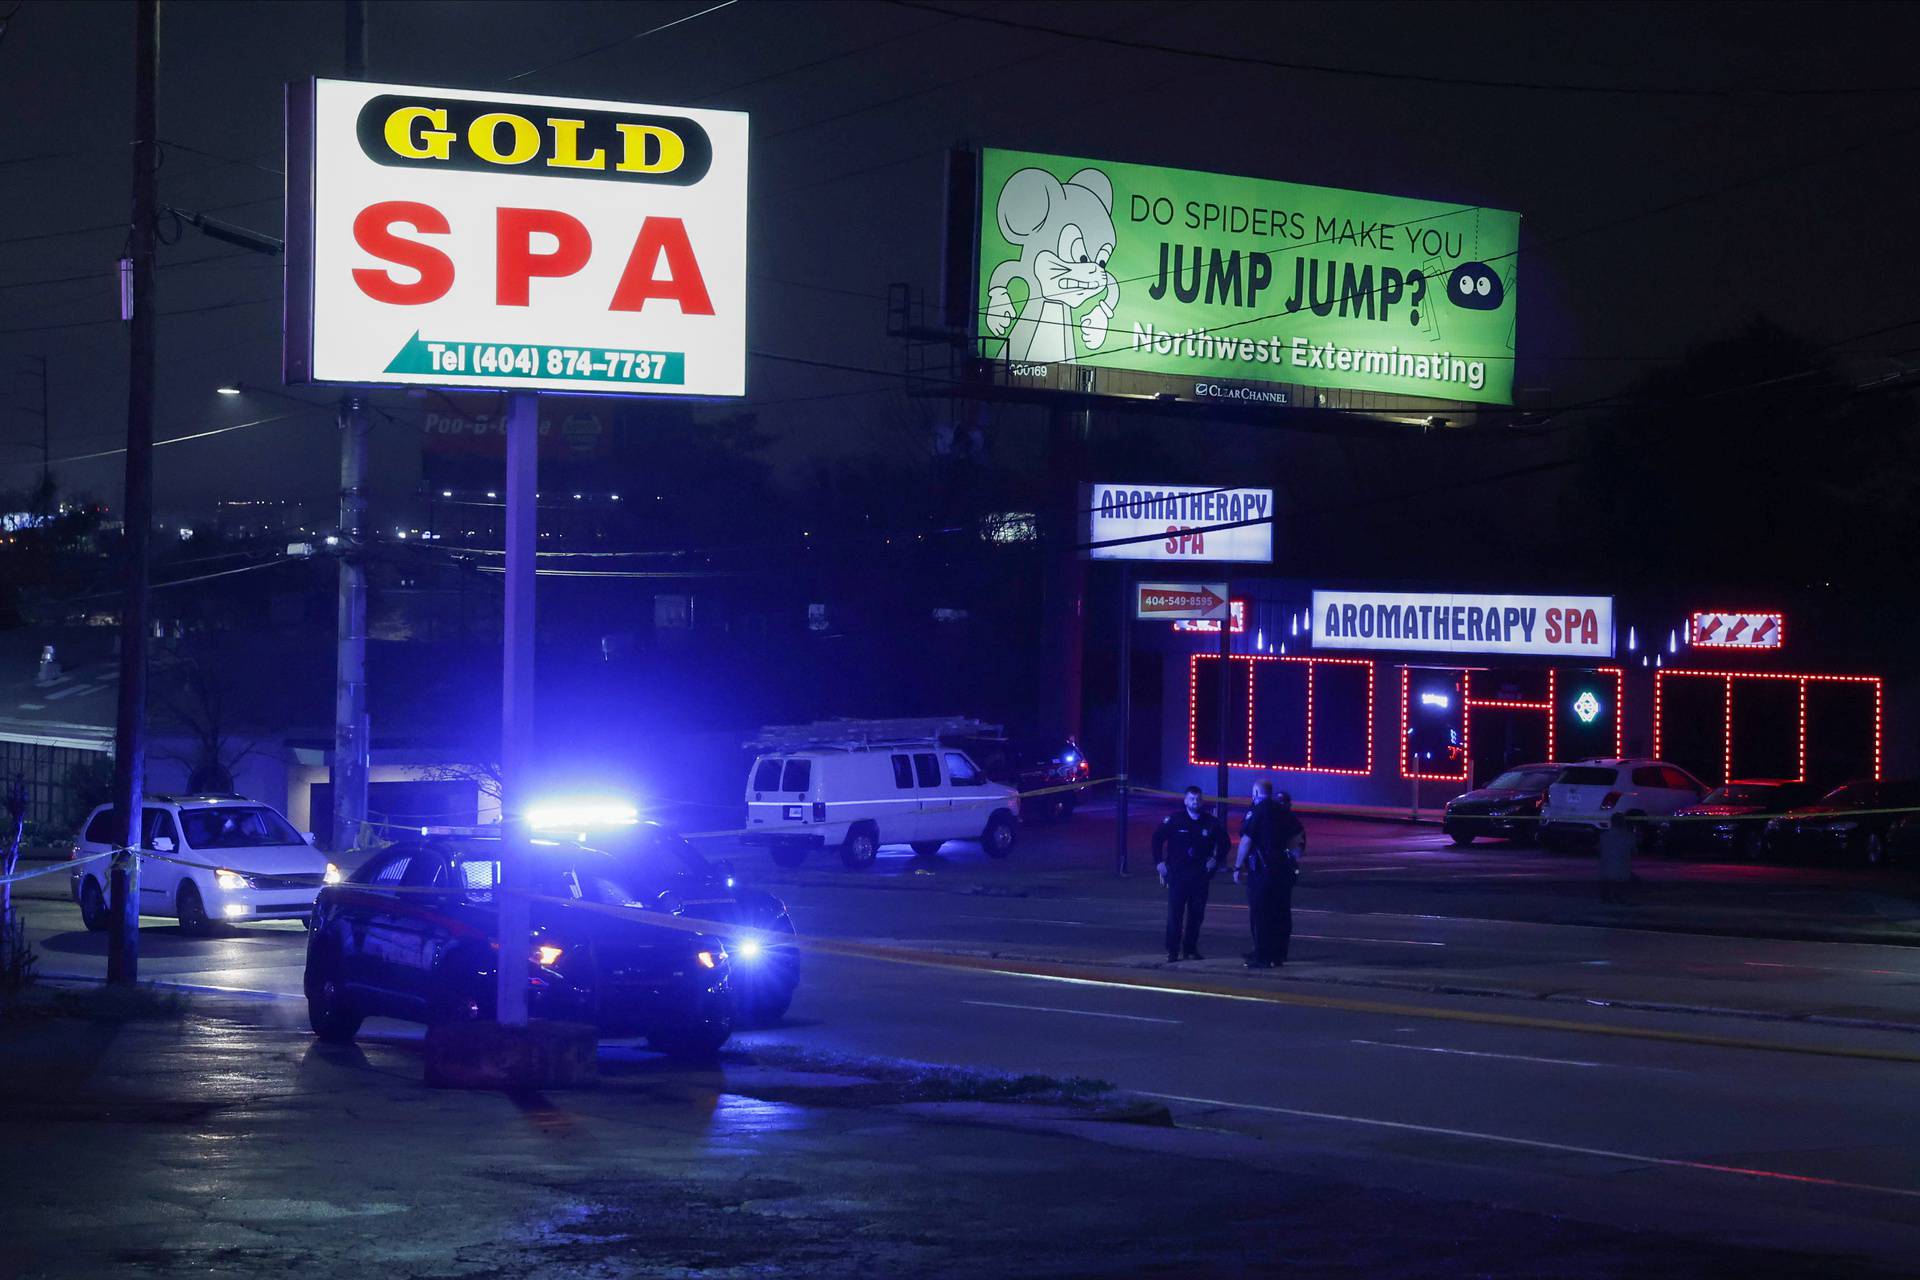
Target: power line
(958, 80)
(182, 311)
(197, 435)
(114, 271)
(614, 44)
(238, 161)
(823, 61)
(1418, 77)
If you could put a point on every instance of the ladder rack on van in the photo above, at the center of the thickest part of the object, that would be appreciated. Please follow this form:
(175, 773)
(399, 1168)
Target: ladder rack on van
(862, 735)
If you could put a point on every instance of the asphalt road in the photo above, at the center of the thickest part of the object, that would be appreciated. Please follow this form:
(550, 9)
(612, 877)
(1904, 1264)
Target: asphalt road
(1724, 1087)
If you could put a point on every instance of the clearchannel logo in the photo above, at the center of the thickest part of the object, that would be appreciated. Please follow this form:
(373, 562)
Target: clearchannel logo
(1257, 395)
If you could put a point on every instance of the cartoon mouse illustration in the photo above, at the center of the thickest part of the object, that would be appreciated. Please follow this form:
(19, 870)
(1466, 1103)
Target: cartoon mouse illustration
(1065, 234)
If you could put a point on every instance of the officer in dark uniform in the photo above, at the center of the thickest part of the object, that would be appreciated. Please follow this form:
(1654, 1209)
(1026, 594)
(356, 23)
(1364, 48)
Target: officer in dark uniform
(1268, 862)
(1187, 849)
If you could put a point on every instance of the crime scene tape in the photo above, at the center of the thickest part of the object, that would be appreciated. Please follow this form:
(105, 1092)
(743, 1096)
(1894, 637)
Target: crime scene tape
(65, 865)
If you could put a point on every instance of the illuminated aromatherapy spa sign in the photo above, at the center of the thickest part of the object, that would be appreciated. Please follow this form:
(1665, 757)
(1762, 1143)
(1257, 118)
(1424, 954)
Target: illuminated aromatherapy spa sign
(1432, 622)
(1204, 277)
(478, 239)
(1176, 522)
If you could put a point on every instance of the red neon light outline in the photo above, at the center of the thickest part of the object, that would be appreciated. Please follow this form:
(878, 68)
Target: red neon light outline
(1193, 706)
(1803, 678)
(1550, 708)
(1211, 626)
(1693, 629)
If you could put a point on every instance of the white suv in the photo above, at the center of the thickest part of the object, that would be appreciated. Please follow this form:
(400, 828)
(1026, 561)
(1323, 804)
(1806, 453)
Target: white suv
(859, 796)
(222, 859)
(1587, 795)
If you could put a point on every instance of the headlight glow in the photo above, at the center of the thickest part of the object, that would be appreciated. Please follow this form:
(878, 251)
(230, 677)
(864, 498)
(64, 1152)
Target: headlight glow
(333, 875)
(546, 955)
(231, 880)
(746, 949)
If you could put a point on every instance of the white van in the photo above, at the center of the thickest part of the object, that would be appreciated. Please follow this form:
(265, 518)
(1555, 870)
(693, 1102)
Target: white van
(863, 791)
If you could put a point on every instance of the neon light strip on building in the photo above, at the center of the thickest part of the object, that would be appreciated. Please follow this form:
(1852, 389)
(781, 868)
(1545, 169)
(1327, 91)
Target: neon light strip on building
(1469, 704)
(1726, 710)
(1193, 706)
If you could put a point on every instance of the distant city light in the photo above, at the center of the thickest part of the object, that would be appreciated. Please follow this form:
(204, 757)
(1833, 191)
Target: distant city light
(446, 493)
(614, 496)
(229, 390)
(492, 493)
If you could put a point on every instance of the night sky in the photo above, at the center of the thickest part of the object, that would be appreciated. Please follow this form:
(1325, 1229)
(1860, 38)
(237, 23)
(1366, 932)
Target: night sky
(853, 106)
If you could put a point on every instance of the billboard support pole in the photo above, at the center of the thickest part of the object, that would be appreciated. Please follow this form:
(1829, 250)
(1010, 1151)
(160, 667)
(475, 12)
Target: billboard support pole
(1064, 578)
(1123, 738)
(516, 704)
(1226, 669)
(352, 752)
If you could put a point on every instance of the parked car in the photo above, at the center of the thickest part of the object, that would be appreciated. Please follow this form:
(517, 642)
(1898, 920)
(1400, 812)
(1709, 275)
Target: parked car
(414, 934)
(858, 794)
(765, 969)
(1055, 766)
(1585, 797)
(1507, 808)
(1864, 821)
(1730, 821)
(223, 859)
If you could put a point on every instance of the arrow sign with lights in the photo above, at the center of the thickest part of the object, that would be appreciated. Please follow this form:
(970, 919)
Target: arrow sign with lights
(1731, 629)
(1164, 600)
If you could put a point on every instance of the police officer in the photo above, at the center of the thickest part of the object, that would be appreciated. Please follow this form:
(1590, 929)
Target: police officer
(1268, 862)
(1187, 849)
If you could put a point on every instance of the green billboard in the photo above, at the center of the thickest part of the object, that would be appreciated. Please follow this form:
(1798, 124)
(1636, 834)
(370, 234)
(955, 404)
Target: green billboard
(1203, 279)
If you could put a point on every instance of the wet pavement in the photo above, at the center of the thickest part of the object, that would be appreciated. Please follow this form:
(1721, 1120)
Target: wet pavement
(226, 1142)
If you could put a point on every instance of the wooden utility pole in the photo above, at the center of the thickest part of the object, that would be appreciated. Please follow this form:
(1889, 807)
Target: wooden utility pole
(130, 729)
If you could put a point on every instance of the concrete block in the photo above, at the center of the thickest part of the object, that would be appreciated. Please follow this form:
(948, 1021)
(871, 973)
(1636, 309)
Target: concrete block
(486, 1055)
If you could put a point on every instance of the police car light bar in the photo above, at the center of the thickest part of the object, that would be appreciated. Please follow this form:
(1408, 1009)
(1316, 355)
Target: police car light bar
(581, 814)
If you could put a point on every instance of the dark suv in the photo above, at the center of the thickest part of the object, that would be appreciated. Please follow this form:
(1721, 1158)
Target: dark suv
(1054, 766)
(414, 934)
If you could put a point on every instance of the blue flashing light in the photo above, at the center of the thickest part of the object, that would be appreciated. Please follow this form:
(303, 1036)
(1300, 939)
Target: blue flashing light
(581, 813)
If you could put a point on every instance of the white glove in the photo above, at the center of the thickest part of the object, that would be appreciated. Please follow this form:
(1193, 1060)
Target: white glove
(1093, 326)
(999, 311)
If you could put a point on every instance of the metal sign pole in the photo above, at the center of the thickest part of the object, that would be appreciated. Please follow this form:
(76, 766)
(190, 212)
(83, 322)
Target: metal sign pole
(1123, 749)
(1226, 683)
(516, 704)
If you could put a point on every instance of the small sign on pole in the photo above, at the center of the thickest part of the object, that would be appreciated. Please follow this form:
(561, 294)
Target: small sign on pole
(1164, 601)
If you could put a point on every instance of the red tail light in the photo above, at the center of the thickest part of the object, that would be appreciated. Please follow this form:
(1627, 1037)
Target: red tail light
(1609, 800)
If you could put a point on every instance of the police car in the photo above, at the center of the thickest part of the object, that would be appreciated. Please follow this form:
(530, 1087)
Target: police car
(413, 934)
(754, 925)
